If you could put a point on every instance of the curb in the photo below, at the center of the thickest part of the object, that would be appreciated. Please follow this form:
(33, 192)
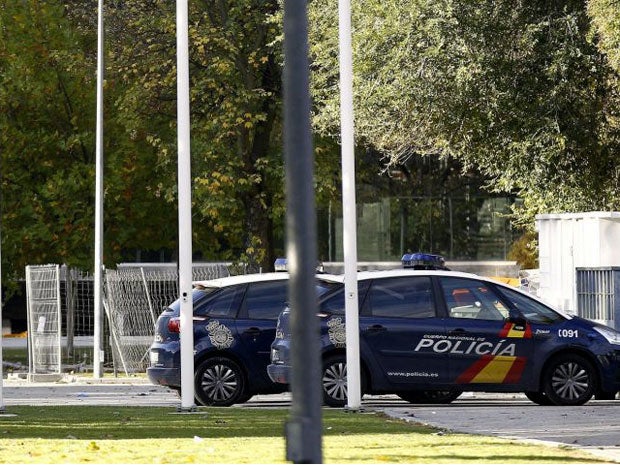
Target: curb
(21, 379)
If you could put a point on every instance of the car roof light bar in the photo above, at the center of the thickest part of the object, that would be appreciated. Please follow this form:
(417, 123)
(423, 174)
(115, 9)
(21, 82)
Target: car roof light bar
(281, 265)
(423, 261)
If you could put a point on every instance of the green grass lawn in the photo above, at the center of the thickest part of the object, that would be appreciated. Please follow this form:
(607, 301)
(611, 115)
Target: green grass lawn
(89, 434)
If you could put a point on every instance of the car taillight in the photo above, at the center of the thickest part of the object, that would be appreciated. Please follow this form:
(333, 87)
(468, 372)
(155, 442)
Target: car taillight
(174, 325)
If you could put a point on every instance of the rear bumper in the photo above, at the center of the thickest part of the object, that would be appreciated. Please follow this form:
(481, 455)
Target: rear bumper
(164, 376)
(279, 373)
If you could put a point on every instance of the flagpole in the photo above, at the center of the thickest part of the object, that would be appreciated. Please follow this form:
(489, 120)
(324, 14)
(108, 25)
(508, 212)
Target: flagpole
(185, 209)
(98, 330)
(349, 216)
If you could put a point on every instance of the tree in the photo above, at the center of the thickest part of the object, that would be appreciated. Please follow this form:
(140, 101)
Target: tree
(605, 16)
(45, 139)
(514, 89)
(235, 112)
(47, 124)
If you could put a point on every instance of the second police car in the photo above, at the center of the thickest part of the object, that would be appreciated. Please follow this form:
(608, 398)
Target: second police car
(429, 334)
(234, 326)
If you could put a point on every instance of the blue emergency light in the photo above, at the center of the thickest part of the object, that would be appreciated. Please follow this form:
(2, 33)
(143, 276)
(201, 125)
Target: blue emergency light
(423, 261)
(281, 265)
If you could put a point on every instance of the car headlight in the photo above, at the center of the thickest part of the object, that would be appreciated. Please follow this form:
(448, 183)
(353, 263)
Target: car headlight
(275, 355)
(612, 336)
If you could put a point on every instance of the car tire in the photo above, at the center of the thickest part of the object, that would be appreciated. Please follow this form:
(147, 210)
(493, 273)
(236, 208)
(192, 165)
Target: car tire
(539, 398)
(430, 397)
(570, 380)
(334, 381)
(219, 382)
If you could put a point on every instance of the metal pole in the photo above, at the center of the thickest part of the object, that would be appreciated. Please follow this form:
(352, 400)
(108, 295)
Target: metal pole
(185, 209)
(349, 233)
(98, 330)
(303, 430)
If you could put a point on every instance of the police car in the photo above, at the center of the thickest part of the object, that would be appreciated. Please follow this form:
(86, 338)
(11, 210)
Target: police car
(428, 334)
(234, 326)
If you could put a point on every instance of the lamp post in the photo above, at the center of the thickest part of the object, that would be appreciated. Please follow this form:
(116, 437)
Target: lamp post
(303, 430)
(98, 314)
(185, 209)
(349, 216)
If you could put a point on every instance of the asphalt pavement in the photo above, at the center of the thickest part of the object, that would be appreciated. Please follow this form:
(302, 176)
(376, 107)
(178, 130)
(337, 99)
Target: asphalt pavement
(594, 427)
(81, 390)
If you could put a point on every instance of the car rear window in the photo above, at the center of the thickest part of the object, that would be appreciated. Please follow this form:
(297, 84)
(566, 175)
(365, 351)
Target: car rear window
(199, 294)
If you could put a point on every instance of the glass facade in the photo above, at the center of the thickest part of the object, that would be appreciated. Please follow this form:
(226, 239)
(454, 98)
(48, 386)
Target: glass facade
(459, 228)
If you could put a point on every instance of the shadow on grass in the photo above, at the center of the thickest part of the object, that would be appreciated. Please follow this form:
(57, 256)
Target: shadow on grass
(92, 422)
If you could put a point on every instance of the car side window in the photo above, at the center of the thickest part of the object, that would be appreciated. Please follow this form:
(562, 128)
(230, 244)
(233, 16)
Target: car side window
(265, 301)
(334, 304)
(409, 297)
(224, 303)
(470, 298)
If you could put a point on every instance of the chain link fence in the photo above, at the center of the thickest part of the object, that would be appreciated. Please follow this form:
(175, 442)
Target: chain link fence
(134, 298)
(61, 319)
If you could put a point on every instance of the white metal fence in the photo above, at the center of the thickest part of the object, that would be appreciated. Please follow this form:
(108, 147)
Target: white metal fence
(60, 313)
(44, 319)
(134, 298)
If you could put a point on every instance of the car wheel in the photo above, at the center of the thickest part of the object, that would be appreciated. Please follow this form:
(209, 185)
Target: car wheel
(570, 380)
(335, 381)
(539, 398)
(219, 382)
(430, 397)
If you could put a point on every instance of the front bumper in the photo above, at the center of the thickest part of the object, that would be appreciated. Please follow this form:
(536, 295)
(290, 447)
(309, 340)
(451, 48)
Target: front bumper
(279, 373)
(164, 376)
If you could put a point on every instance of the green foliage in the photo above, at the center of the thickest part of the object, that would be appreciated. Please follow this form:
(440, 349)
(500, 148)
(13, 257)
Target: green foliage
(525, 251)
(516, 90)
(235, 104)
(605, 16)
(525, 93)
(45, 139)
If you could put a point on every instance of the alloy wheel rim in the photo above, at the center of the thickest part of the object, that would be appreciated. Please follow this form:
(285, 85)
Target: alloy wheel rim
(570, 381)
(335, 381)
(219, 383)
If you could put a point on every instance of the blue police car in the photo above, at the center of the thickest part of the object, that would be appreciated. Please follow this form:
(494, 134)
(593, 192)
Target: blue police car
(234, 326)
(427, 334)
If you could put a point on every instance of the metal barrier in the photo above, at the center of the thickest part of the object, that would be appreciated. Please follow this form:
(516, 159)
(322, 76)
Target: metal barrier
(598, 294)
(44, 320)
(60, 306)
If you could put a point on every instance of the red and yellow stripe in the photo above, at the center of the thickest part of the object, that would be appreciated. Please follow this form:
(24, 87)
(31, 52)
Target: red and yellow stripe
(509, 331)
(494, 369)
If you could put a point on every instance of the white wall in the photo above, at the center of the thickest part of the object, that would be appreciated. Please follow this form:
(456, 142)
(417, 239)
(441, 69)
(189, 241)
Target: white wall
(570, 240)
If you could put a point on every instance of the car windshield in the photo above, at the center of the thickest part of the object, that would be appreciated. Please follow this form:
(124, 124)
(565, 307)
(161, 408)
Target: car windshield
(531, 309)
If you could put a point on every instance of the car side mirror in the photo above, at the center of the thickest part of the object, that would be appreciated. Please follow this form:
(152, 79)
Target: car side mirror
(518, 321)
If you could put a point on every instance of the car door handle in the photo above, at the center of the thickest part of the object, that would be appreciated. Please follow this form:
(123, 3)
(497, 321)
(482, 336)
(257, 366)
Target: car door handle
(252, 331)
(376, 329)
(457, 332)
